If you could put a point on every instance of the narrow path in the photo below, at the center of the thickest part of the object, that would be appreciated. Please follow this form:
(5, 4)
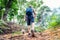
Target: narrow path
(21, 37)
(47, 35)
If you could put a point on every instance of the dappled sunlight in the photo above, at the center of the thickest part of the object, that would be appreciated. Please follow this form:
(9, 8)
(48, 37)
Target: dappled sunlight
(14, 19)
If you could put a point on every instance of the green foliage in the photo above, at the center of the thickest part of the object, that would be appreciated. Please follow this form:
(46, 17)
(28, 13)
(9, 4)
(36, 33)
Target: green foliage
(52, 24)
(58, 19)
(14, 5)
(18, 5)
(17, 10)
(39, 29)
(1, 31)
(18, 32)
(55, 21)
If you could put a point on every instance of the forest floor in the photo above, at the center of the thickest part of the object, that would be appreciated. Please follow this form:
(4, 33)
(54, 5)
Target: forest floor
(46, 35)
(49, 34)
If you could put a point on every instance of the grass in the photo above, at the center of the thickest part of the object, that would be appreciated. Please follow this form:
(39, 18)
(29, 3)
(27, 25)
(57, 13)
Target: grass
(16, 33)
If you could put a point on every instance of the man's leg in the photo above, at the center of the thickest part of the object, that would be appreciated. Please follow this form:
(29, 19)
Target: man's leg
(32, 30)
(29, 28)
(32, 26)
(32, 23)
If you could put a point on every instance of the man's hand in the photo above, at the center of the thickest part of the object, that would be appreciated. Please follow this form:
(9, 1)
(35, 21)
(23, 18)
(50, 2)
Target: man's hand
(25, 18)
(34, 16)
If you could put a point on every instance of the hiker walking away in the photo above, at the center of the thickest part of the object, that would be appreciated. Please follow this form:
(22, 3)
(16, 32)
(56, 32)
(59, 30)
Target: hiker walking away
(29, 17)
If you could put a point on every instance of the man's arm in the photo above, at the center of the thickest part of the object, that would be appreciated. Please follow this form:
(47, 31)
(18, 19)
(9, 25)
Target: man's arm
(34, 13)
(25, 18)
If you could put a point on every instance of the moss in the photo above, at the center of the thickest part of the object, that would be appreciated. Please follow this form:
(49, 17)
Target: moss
(17, 32)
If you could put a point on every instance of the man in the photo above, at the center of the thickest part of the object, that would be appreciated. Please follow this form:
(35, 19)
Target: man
(30, 15)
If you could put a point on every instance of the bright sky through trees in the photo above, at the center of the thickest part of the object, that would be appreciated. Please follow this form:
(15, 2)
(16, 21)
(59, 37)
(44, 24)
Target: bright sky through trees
(52, 3)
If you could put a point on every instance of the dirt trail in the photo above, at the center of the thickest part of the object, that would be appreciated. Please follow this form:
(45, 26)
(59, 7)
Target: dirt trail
(21, 37)
(46, 35)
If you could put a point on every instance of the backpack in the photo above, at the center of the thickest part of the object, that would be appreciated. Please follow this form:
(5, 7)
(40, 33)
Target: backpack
(29, 11)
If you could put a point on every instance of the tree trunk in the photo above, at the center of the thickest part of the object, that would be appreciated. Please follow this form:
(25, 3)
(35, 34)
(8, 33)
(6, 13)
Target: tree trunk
(7, 10)
(5, 14)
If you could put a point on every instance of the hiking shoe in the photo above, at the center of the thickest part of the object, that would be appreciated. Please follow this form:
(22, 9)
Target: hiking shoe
(32, 33)
(29, 34)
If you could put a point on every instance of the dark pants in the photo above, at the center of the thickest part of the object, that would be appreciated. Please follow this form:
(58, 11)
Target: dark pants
(30, 20)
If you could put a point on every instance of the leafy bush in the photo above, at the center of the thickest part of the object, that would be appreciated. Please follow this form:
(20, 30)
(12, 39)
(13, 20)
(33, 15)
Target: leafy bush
(39, 29)
(1, 31)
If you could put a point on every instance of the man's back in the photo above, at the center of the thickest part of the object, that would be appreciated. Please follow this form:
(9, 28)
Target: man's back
(29, 11)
